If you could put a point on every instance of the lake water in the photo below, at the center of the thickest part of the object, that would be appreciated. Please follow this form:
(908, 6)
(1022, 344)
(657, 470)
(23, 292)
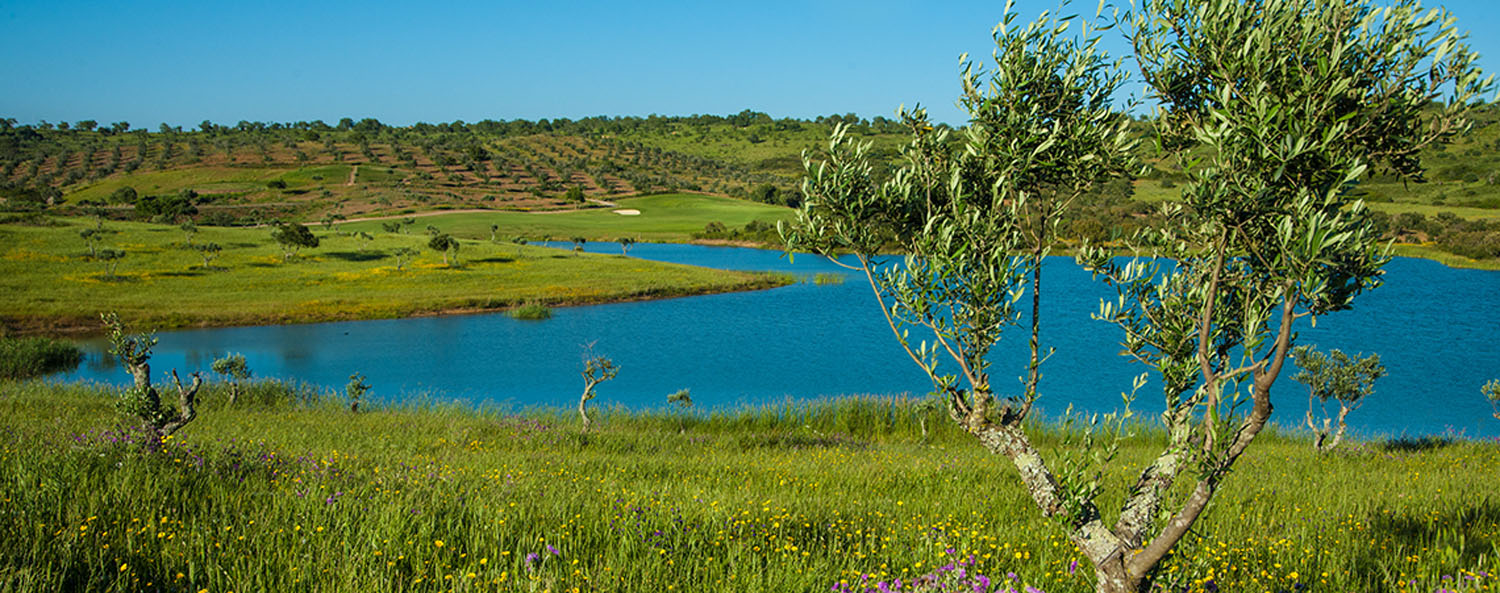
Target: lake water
(1433, 326)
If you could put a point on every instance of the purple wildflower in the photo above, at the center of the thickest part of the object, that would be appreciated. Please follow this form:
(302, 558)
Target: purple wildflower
(553, 551)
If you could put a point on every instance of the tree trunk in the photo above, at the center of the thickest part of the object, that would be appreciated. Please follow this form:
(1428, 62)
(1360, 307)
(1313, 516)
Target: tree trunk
(583, 408)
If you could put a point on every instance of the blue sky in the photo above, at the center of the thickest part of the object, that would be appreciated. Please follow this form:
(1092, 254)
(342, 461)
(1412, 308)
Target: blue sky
(151, 62)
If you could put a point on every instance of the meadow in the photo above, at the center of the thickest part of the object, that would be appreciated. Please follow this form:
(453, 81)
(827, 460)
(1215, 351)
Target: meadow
(662, 218)
(288, 491)
(54, 280)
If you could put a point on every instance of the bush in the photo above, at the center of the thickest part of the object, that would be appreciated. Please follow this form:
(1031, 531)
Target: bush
(532, 312)
(21, 358)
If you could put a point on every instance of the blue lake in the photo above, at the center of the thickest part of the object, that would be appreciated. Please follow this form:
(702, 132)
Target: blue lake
(1433, 326)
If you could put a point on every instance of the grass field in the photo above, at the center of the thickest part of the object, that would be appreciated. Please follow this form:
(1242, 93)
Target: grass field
(662, 218)
(275, 495)
(52, 283)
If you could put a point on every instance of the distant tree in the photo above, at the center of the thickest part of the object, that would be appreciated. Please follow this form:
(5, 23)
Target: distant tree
(234, 370)
(494, 229)
(765, 193)
(625, 244)
(519, 241)
(277, 184)
(683, 399)
(364, 240)
(596, 369)
(403, 254)
(575, 194)
(433, 231)
(406, 223)
(91, 238)
(124, 195)
(292, 237)
(142, 401)
(87, 125)
(445, 243)
(355, 391)
(332, 218)
(111, 259)
(390, 227)
(188, 229)
(208, 251)
(1334, 376)
(578, 243)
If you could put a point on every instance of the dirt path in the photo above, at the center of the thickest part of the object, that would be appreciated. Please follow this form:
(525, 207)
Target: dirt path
(352, 174)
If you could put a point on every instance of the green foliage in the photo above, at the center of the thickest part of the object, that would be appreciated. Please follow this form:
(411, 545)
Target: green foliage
(1335, 375)
(445, 244)
(292, 237)
(23, 358)
(681, 398)
(531, 312)
(355, 391)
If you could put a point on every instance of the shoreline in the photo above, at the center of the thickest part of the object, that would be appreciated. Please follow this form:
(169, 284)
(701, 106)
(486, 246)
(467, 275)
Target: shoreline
(88, 327)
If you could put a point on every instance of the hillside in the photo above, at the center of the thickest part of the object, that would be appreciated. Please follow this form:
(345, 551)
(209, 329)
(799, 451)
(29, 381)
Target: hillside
(254, 172)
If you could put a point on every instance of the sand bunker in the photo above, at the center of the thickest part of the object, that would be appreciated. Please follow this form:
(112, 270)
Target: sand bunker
(628, 212)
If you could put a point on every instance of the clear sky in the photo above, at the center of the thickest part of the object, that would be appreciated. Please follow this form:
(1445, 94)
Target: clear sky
(150, 62)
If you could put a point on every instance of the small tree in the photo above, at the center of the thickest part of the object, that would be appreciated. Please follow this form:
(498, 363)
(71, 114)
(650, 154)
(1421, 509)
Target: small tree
(625, 244)
(142, 401)
(91, 239)
(575, 195)
(444, 243)
(1491, 391)
(683, 399)
(494, 229)
(111, 259)
(519, 242)
(406, 223)
(208, 251)
(1335, 376)
(188, 230)
(578, 243)
(364, 240)
(234, 370)
(403, 254)
(292, 237)
(596, 369)
(390, 227)
(355, 391)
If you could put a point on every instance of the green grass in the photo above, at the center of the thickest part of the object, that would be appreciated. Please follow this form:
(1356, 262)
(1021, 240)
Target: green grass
(662, 218)
(283, 496)
(201, 179)
(51, 282)
(532, 312)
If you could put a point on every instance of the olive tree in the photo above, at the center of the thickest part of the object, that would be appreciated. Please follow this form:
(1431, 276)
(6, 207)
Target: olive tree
(208, 251)
(625, 244)
(597, 369)
(1334, 376)
(235, 371)
(1275, 110)
(141, 400)
(444, 243)
(977, 217)
(355, 391)
(402, 255)
(292, 237)
(1283, 105)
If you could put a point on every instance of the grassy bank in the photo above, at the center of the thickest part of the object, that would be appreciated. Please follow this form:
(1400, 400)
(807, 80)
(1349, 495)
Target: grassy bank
(289, 491)
(52, 281)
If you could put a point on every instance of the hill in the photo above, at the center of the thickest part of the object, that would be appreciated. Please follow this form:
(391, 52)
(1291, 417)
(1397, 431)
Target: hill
(254, 172)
